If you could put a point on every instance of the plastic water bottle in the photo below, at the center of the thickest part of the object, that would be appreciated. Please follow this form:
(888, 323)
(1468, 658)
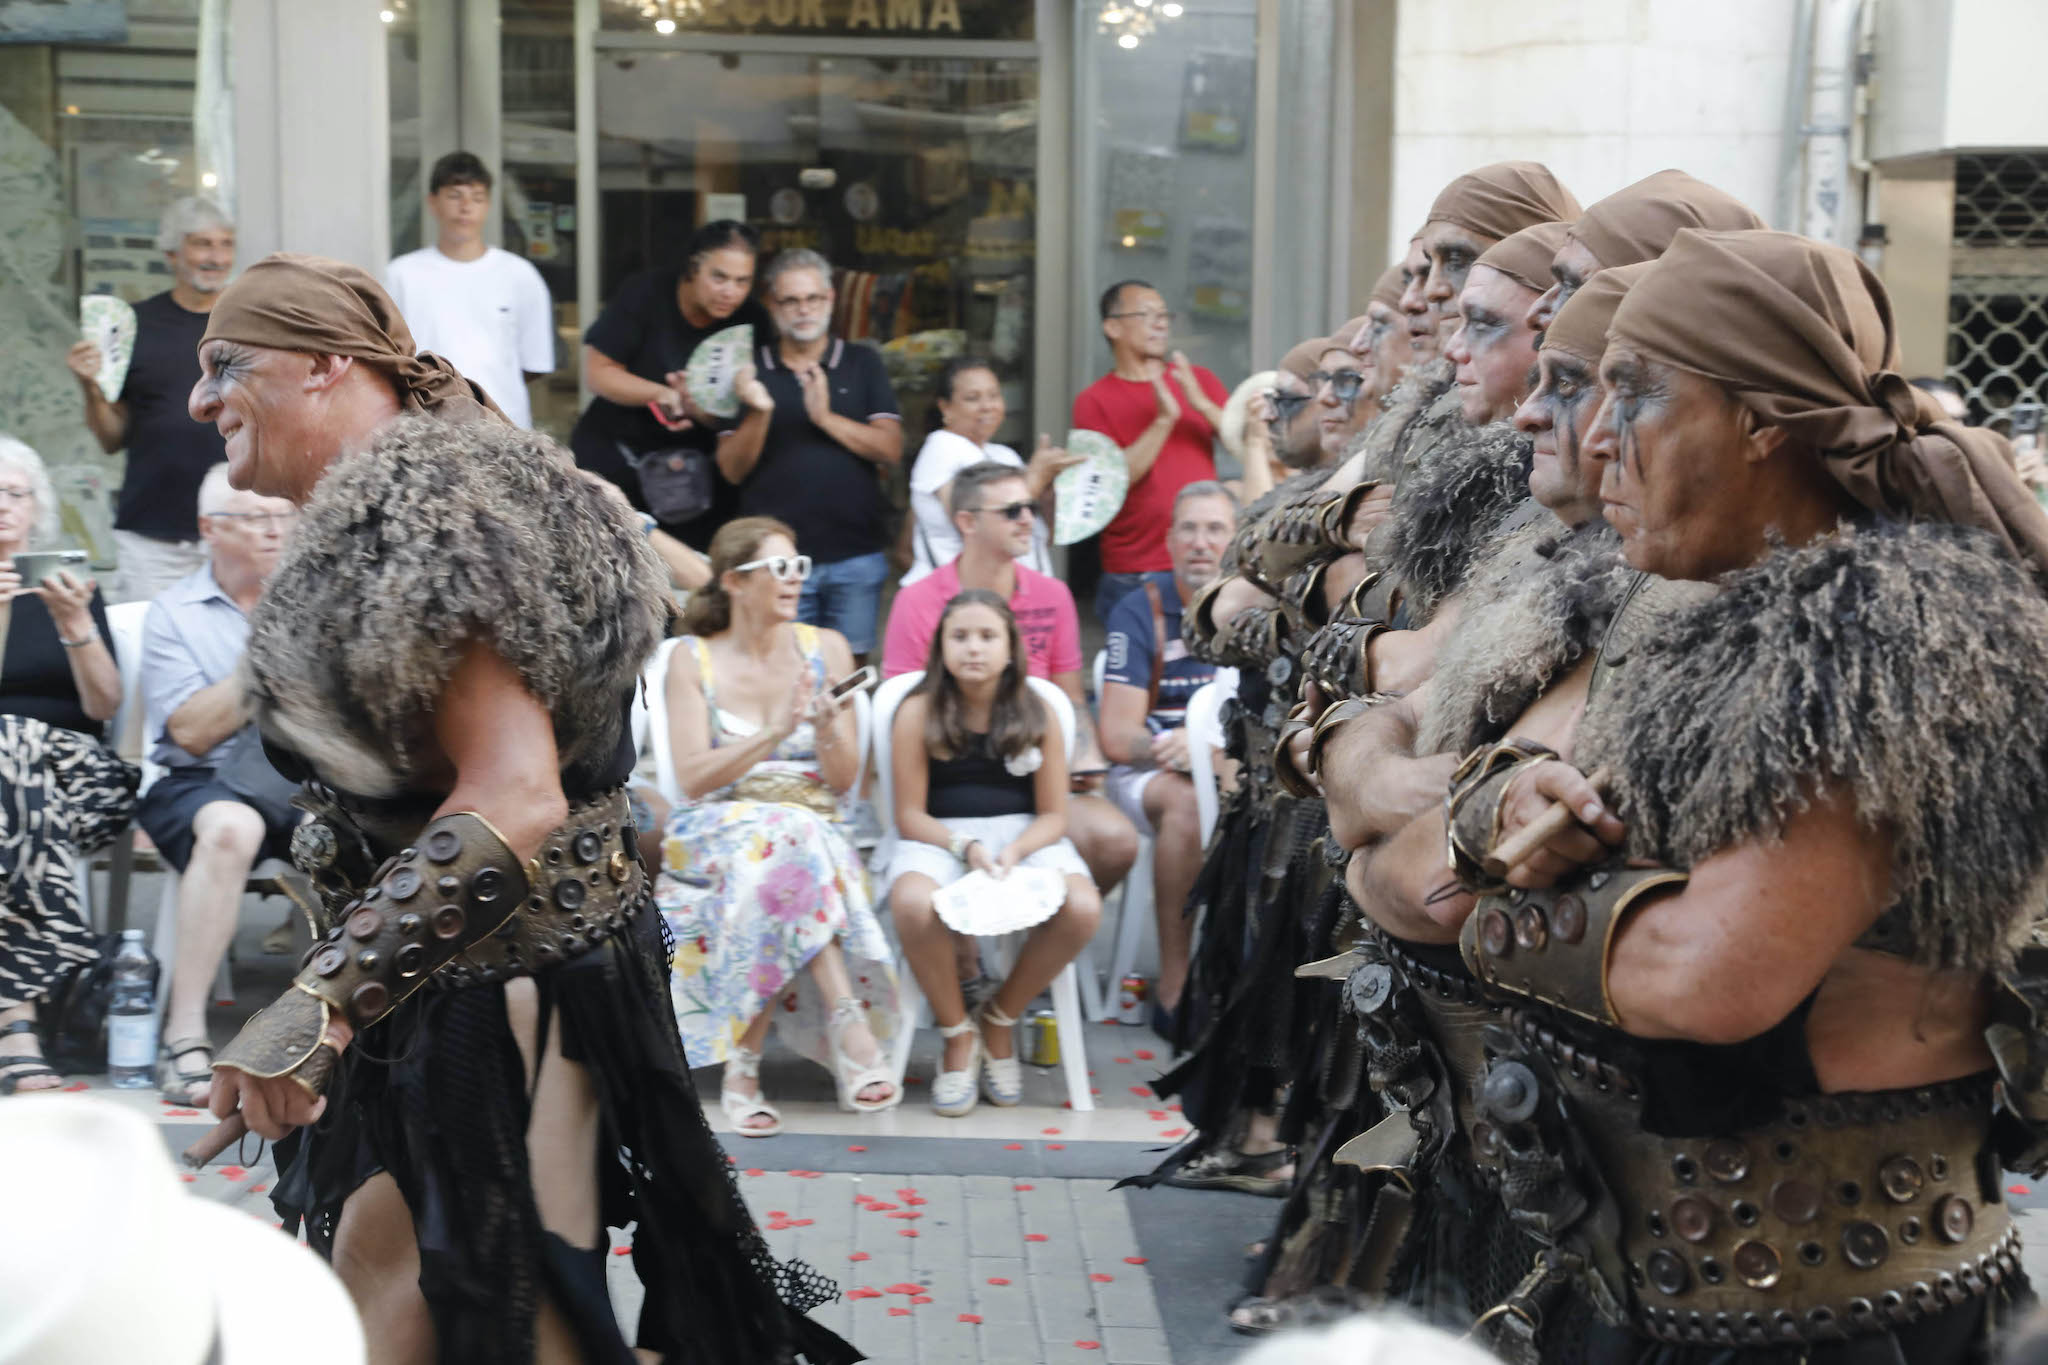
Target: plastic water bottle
(131, 1018)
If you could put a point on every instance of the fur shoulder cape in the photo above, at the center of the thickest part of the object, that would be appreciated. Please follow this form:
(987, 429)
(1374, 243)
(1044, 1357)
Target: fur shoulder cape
(1900, 665)
(437, 535)
(1453, 495)
(1538, 601)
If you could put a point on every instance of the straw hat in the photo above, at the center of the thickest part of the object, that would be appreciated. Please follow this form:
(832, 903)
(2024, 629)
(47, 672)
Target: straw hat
(111, 1258)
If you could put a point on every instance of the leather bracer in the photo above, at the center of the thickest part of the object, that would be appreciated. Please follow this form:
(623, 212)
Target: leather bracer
(456, 887)
(1472, 806)
(1553, 945)
(1338, 658)
(1254, 638)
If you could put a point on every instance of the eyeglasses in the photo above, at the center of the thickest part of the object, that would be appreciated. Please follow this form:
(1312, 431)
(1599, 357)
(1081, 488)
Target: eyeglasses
(808, 303)
(1346, 384)
(1286, 405)
(781, 568)
(1150, 315)
(1011, 511)
(261, 521)
(16, 494)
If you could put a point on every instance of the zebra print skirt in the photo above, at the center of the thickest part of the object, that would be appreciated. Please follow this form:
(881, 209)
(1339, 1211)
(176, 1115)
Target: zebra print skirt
(62, 795)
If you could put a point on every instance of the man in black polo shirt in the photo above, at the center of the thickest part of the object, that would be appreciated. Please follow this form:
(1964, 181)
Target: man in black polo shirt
(156, 530)
(815, 454)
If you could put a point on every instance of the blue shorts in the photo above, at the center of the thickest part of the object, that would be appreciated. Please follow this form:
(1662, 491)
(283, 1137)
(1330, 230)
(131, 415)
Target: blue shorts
(166, 811)
(846, 596)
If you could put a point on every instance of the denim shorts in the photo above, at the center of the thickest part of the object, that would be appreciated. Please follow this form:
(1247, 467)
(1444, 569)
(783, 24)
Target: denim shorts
(846, 596)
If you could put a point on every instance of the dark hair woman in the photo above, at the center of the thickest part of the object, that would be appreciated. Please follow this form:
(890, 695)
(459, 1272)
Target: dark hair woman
(762, 888)
(634, 355)
(980, 771)
(969, 409)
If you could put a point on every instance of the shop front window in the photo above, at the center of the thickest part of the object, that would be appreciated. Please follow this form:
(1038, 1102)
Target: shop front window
(915, 176)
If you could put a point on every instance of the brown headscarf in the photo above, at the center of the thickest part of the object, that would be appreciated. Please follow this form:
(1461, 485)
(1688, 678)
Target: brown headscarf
(1392, 283)
(1580, 327)
(1524, 256)
(1500, 200)
(1347, 335)
(1801, 332)
(1301, 360)
(308, 303)
(1638, 221)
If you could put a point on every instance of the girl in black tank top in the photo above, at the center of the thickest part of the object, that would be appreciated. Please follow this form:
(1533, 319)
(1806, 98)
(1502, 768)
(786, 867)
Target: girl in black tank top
(979, 765)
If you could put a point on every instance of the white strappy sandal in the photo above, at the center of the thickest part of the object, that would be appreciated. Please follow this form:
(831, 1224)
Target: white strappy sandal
(953, 1092)
(739, 1108)
(853, 1077)
(1002, 1078)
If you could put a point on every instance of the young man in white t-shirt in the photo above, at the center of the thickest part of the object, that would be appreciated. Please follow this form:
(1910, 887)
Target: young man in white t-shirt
(482, 308)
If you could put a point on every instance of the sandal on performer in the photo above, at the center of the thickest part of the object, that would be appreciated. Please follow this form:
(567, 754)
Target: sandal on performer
(16, 1067)
(851, 1076)
(182, 1085)
(1258, 1317)
(953, 1092)
(739, 1108)
(1231, 1170)
(1002, 1078)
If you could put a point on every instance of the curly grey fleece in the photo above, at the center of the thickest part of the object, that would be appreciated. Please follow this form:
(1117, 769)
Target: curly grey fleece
(1456, 492)
(1539, 600)
(1903, 666)
(437, 535)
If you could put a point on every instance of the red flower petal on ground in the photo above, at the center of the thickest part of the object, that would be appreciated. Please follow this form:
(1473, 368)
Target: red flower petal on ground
(181, 1113)
(74, 1089)
(1101, 1278)
(1134, 1260)
(879, 1206)
(801, 1222)
(753, 1170)
(777, 1213)
(907, 1194)
(1142, 1055)
(914, 1202)
(1036, 1237)
(622, 1251)
(970, 1317)
(1050, 1132)
(233, 1172)
(1087, 1345)
(1024, 1189)
(907, 1215)
(258, 1189)
(856, 1148)
(188, 1179)
(858, 1256)
(908, 1232)
(899, 1312)
(1121, 1061)
(2018, 1189)
(807, 1175)
(1156, 1115)
(904, 1289)
(998, 1280)
(921, 1299)
(1055, 1146)
(1013, 1146)
(1173, 1132)
(863, 1293)
(1141, 1091)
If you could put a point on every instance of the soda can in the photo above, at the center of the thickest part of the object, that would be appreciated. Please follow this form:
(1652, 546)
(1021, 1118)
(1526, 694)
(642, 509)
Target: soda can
(1131, 994)
(1041, 1038)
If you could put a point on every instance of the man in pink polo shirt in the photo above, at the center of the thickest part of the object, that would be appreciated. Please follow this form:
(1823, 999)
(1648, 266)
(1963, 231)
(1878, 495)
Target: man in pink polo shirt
(991, 504)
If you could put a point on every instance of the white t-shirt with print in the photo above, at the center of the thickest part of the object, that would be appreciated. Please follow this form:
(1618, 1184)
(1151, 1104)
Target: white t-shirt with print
(490, 317)
(936, 540)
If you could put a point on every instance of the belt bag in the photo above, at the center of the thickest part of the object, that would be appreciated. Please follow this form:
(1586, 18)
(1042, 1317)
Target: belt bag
(677, 483)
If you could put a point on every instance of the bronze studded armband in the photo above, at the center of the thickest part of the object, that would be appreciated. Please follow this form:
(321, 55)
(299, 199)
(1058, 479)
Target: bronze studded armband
(1555, 945)
(453, 889)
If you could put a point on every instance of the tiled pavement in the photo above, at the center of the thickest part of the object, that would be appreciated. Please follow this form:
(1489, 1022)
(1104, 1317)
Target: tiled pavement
(991, 1239)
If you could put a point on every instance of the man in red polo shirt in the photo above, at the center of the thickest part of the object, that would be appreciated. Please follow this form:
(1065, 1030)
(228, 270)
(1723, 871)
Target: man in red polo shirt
(1164, 414)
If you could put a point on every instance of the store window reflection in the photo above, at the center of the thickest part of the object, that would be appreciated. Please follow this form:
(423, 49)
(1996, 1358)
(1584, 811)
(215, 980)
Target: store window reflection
(537, 187)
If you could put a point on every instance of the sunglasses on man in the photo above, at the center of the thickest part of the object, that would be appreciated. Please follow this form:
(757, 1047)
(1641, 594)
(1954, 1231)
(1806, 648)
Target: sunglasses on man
(1346, 384)
(1287, 405)
(1012, 511)
(782, 568)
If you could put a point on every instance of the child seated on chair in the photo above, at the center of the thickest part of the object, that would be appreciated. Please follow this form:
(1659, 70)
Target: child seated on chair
(980, 773)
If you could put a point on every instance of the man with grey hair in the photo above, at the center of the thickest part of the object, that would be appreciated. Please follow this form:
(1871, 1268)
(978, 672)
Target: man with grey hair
(821, 429)
(219, 807)
(155, 530)
(1147, 680)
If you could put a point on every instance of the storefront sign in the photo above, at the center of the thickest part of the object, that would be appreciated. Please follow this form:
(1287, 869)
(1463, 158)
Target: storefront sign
(987, 19)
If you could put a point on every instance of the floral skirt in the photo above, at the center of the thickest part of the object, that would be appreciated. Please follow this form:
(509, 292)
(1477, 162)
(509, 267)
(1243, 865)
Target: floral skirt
(751, 891)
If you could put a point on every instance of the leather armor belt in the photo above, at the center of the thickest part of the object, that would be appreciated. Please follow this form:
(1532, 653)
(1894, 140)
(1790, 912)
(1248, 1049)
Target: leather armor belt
(1851, 1214)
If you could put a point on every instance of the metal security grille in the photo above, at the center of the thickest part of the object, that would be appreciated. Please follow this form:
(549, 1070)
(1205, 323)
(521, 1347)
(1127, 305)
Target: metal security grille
(1998, 283)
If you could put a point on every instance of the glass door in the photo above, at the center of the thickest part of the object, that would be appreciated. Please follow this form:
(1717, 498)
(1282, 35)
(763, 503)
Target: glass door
(915, 176)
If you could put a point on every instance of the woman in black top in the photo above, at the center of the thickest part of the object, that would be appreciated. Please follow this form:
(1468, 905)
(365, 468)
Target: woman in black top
(61, 793)
(980, 771)
(634, 354)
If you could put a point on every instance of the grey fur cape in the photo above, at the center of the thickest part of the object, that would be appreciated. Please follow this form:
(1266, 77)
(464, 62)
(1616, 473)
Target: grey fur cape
(437, 535)
(1452, 497)
(1901, 665)
(1539, 601)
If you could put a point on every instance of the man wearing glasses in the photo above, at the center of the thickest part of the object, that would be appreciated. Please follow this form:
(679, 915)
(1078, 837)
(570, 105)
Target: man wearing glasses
(820, 428)
(1164, 412)
(219, 807)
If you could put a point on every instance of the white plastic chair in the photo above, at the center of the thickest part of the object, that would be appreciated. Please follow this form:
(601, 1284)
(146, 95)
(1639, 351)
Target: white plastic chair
(1102, 996)
(1066, 987)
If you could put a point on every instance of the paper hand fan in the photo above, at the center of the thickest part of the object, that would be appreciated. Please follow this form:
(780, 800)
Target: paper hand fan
(108, 322)
(1089, 494)
(713, 367)
(980, 904)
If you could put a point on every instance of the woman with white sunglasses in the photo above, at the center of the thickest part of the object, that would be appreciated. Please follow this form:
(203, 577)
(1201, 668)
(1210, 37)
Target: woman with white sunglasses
(761, 885)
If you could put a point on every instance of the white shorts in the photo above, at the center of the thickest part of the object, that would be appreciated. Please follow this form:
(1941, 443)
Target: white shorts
(1126, 788)
(996, 833)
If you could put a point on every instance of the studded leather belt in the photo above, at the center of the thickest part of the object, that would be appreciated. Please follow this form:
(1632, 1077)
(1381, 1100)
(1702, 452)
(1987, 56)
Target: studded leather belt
(1851, 1214)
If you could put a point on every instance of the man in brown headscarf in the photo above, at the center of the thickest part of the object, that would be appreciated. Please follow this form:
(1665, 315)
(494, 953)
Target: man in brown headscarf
(1814, 728)
(1493, 350)
(1383, 341)
(1634, 224)
(1478, 209)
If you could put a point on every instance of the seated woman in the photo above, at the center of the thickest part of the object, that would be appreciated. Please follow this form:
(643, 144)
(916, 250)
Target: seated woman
(980, 771)
(62, 793)
(761, 886)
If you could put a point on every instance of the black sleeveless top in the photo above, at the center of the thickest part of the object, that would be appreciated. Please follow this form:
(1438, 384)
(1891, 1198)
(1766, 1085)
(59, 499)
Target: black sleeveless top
(976, 785)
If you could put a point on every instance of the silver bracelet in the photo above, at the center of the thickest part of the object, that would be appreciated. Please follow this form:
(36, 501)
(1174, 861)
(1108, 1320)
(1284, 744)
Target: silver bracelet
(90, 637)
